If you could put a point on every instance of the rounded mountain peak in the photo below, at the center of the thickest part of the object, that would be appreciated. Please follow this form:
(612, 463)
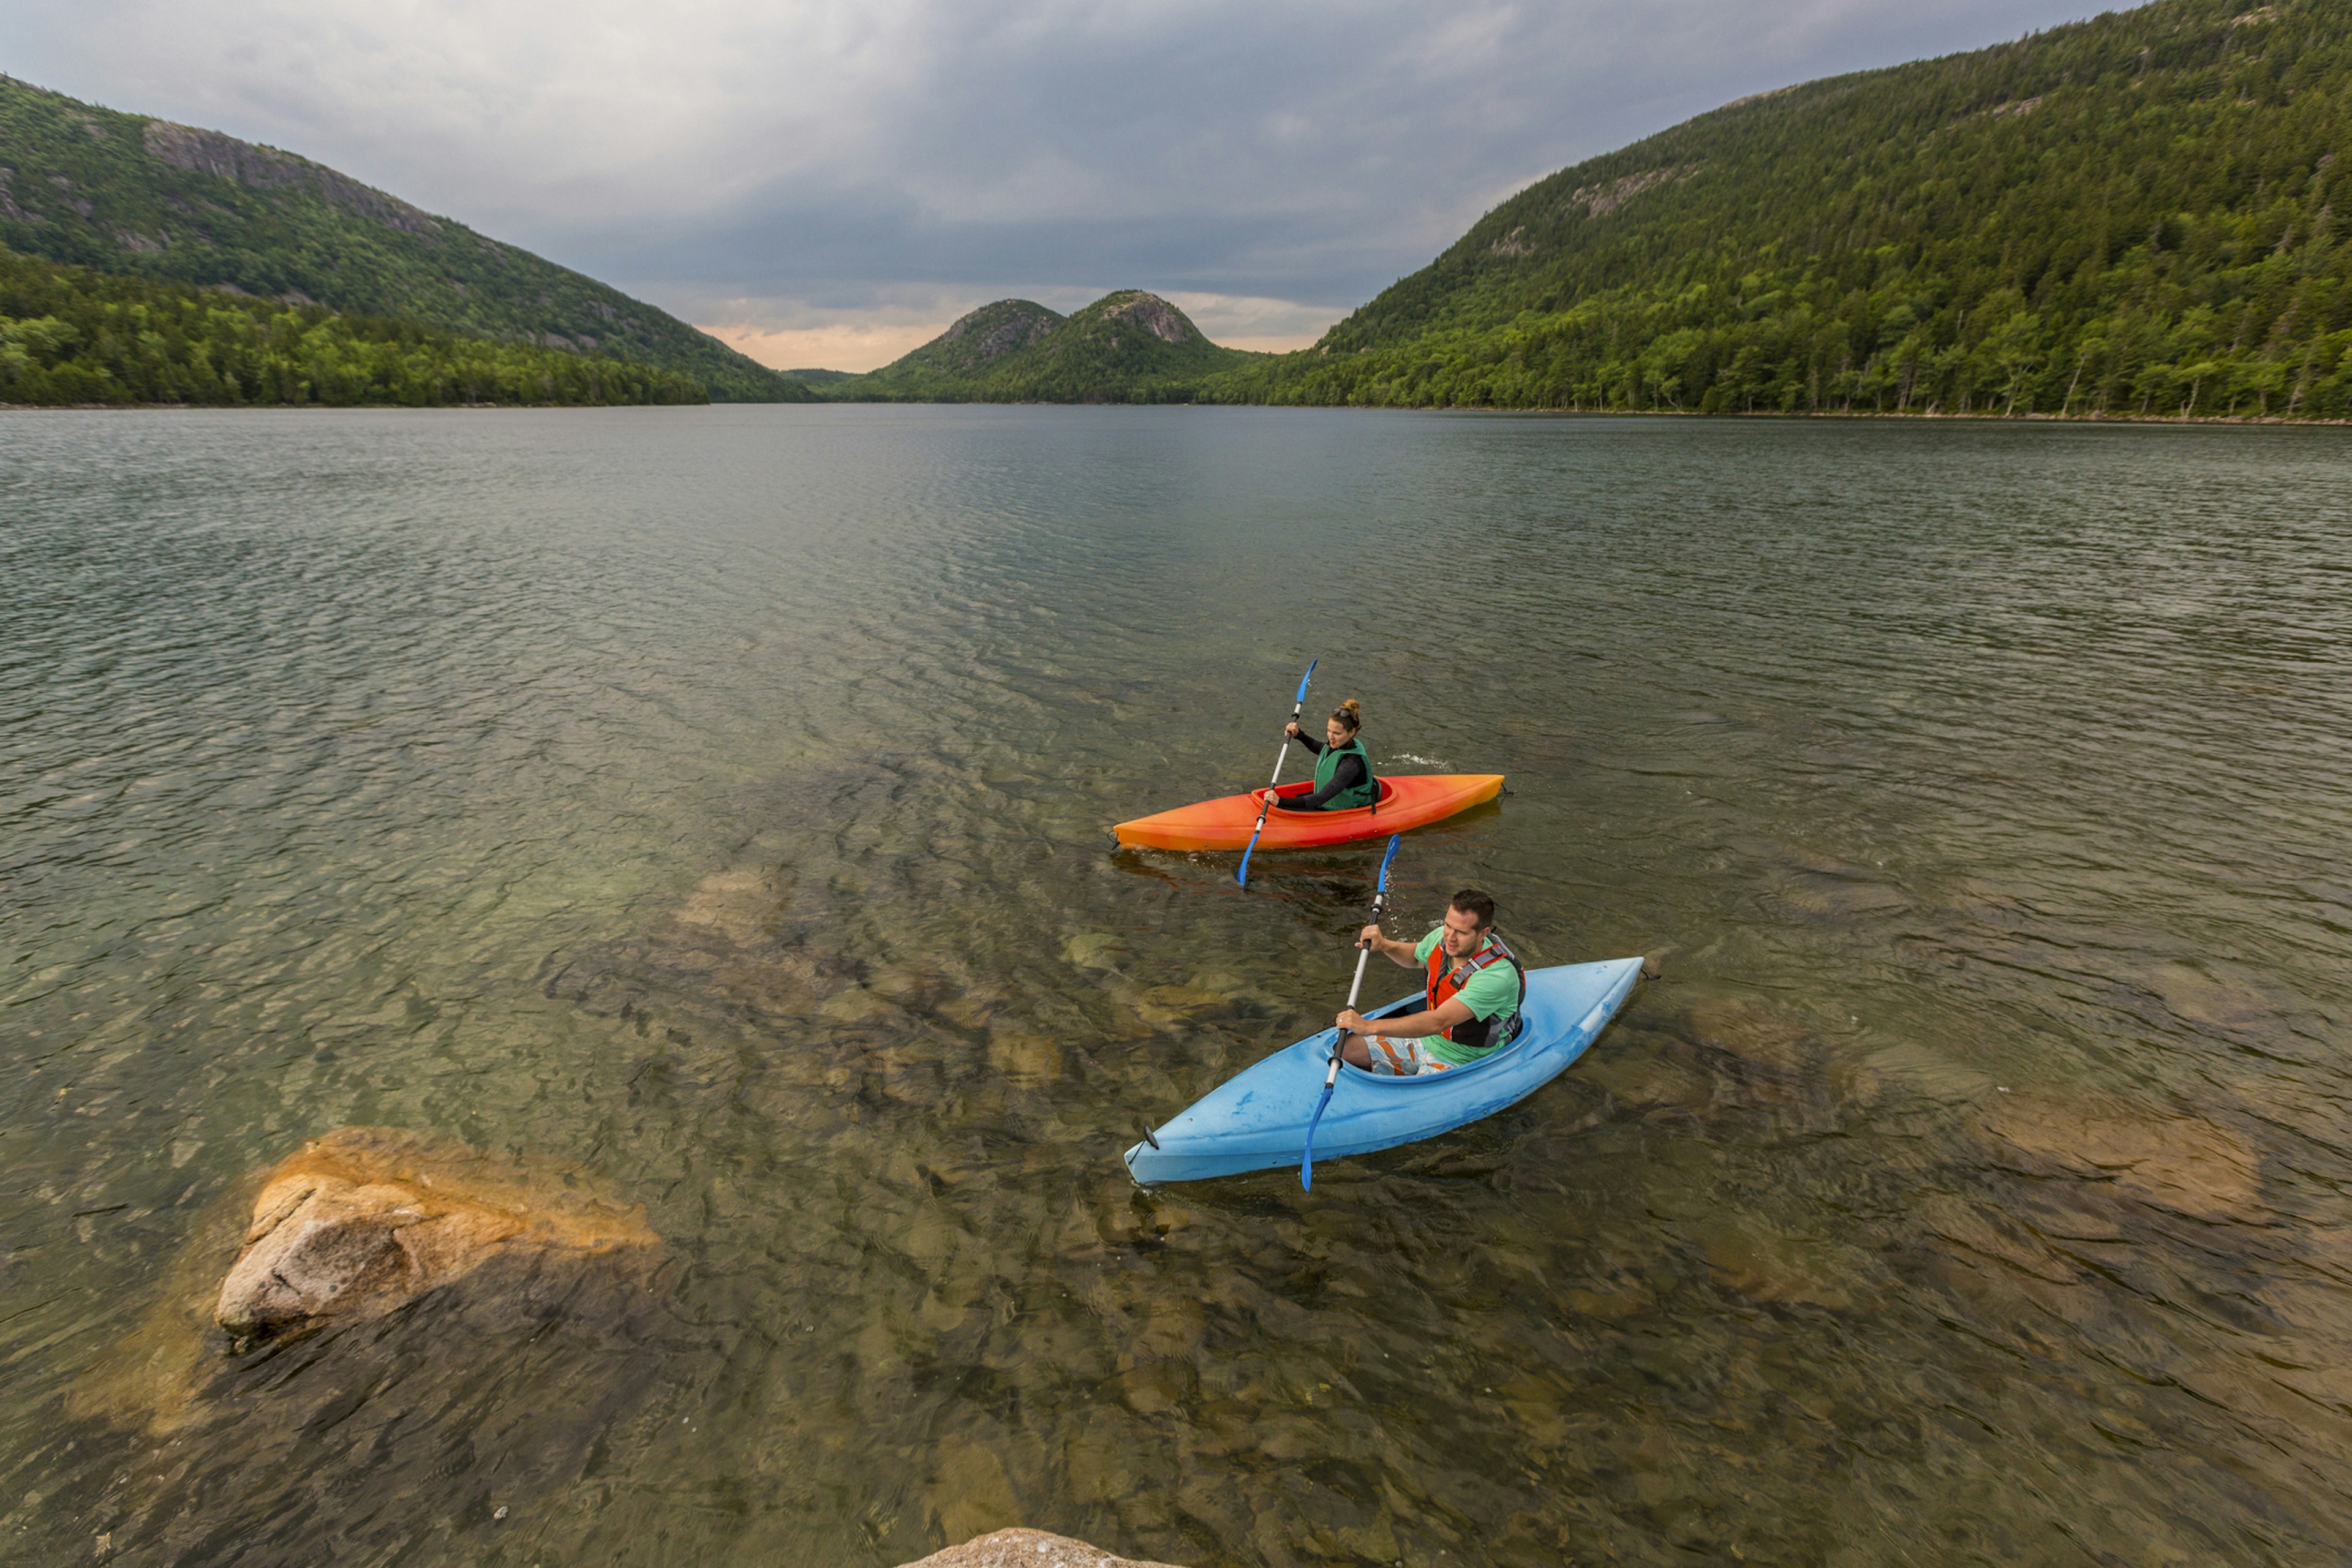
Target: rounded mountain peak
(1149, 312)
(995, 329)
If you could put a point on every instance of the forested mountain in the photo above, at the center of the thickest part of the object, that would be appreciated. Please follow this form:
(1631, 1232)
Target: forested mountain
(120, 193)
(2131, 216)
(1127, 347)
(73, 335)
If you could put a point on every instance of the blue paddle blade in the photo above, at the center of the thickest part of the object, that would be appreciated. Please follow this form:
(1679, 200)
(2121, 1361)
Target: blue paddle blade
(1394, 840)
(1241, 876)
(1306, 1156)
(1305, 679)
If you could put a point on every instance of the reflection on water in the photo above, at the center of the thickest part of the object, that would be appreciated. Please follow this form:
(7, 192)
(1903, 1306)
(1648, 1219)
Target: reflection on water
(714, 801)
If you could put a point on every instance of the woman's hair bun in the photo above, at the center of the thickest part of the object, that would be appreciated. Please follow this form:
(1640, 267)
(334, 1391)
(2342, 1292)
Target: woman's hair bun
(1352, 705)
(1349, 713)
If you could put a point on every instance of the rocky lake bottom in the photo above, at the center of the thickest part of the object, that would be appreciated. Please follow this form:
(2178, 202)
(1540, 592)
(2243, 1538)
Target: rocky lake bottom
(690, 826)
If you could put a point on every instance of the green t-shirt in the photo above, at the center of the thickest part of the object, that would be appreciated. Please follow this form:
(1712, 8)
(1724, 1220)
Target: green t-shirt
(1492, 992)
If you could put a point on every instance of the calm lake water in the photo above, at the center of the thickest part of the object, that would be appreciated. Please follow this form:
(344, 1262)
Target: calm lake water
(714, 802)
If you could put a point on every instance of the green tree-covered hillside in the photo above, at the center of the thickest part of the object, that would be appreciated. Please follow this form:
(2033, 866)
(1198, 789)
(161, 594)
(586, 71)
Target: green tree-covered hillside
(2132, 216)
(73, 335)
(1127, 347)
(120, 193)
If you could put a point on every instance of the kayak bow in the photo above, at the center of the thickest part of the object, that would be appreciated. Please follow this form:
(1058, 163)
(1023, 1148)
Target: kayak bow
(1258, 1120)
(1407, 801)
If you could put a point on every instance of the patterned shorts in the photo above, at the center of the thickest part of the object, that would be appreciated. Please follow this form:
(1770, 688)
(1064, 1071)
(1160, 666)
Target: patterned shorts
(1393, 1058)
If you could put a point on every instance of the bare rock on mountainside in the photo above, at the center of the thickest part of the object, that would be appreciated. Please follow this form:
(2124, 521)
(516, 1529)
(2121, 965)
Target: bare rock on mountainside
(1028, 1549)
(1154, 315)
(223, 157)
(1008, 326)
(365, 1220)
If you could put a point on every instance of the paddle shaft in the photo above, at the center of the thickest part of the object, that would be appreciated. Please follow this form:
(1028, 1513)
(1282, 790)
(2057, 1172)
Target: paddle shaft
(1281, 756)
(1296, 707)
(1363, 956)
(1331, 1073)
(1266, 805)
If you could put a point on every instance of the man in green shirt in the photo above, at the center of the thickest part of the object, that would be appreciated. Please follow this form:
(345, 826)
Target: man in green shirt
(1475, 984)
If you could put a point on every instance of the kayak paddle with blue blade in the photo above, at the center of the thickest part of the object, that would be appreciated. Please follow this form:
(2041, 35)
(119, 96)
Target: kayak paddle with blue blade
(1296, 707)
(1330, 1078)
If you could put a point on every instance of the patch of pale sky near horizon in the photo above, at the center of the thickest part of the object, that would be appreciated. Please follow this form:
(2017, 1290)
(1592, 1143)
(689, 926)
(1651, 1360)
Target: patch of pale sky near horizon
(843, 173)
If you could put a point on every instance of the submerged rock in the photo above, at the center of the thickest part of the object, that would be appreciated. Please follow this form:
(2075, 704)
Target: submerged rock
(2190, 1166)
(1754, 1032)
(733, 946)
(364, 1219)
(1028, 1549)
(2197, 996)
(1765, 1263)
(743, 906)
(531, 1324)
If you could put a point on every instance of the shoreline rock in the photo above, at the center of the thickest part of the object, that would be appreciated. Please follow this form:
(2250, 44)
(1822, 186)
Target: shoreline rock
(365, 1220)
(1018, 1548)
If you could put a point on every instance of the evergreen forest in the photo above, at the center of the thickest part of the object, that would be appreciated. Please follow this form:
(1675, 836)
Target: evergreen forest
(2132, 216)
(71, 336)
(2129, 217)
(125, 194)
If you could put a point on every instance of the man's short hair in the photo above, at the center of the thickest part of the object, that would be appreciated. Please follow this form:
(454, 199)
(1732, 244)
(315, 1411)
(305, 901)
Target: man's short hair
(1477, 905)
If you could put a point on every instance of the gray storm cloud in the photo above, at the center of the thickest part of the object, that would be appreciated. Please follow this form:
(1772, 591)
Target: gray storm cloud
(787, 164)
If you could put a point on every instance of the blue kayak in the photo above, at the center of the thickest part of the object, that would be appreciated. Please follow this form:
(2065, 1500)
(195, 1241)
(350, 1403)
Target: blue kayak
(1256, 1120)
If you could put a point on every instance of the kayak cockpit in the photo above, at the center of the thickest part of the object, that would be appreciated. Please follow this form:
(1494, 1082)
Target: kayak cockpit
(1397, 1009)
(1306, 786)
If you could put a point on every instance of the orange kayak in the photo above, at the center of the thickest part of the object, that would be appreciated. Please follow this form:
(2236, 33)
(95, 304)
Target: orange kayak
(1407, 801)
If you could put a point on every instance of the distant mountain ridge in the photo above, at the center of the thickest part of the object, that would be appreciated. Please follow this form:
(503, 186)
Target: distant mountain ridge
(123, 193)
(1129, 346)
(2130, 216)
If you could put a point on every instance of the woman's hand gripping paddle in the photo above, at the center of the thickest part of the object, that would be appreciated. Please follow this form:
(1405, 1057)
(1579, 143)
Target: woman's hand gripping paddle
(1296, 707)
(1331, 1076)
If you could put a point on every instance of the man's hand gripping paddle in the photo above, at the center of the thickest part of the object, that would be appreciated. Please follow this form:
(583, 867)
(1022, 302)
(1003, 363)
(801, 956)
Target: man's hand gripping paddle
(1331, 1076)
(1296, 707)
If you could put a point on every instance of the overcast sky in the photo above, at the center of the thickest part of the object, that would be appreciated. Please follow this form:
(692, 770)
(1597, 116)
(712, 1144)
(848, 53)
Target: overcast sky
(830, 182)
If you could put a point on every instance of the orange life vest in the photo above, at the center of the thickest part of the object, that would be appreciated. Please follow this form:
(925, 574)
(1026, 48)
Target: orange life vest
(1445, 979)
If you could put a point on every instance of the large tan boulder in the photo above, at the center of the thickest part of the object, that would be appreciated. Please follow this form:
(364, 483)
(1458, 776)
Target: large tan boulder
(533, 1318)
(1027, 1549)
(364, 1219)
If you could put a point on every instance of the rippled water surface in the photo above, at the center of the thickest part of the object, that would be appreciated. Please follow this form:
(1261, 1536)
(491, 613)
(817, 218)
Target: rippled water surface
(713, 802)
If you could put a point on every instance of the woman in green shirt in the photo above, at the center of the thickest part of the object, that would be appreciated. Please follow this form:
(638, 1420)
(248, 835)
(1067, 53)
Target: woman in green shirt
(1343, 773)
